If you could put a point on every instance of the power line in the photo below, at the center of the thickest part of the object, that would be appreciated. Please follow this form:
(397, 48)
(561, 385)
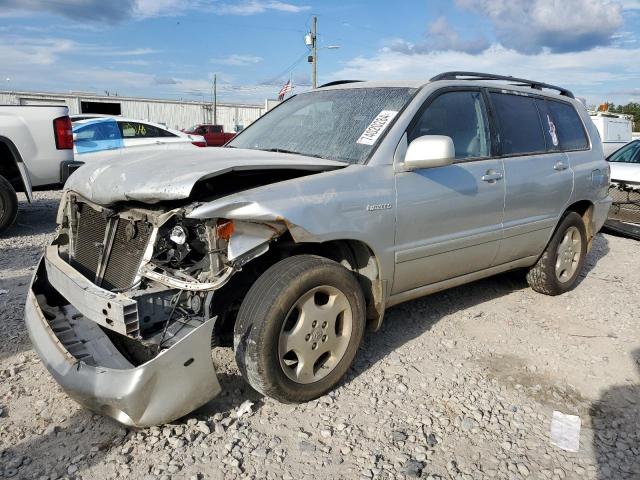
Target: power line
(287, 70)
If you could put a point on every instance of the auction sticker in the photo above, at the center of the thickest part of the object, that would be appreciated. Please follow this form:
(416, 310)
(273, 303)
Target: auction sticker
(377, 127)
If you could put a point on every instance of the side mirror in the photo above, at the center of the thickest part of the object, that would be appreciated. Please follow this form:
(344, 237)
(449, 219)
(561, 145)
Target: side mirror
(75, 136)
(429, 151)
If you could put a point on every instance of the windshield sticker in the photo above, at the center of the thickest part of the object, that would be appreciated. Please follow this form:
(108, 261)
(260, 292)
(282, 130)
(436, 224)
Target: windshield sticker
(552, 131)
(377, 127)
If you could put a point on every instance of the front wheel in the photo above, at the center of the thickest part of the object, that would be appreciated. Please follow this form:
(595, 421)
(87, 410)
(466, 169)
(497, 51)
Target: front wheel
(299, 328)
(558, 268)
(8, 204)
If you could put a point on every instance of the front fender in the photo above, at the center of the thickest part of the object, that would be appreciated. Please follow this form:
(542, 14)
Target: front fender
(354, 203)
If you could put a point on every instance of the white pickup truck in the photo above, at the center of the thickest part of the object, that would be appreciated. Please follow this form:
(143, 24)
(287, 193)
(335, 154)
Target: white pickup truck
(36, 151)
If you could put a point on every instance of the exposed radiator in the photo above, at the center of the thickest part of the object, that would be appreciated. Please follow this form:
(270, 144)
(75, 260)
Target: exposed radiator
(89, 240)
(126, 255)
(108, 251)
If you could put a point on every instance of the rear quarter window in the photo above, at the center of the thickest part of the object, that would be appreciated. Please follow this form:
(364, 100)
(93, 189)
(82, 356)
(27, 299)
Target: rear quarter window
(519, 124)
(569, 126)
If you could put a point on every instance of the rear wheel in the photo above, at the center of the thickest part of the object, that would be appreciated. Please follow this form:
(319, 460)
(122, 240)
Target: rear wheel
(558, 268)
(8, 204)
(299, 328)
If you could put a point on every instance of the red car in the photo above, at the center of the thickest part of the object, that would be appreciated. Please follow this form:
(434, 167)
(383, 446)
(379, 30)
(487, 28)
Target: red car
(214, 135)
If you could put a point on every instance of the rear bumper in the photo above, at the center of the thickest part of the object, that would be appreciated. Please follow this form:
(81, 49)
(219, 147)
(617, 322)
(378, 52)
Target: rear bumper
(89, 367)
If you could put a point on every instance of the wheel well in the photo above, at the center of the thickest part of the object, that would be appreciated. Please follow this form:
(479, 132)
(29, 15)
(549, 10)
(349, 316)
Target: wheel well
(352, 254)
(358, 257)
(584, 208)
(9, 167)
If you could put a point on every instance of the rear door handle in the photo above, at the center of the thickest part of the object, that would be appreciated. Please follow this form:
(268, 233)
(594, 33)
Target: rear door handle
(491, 177)
(560, 166)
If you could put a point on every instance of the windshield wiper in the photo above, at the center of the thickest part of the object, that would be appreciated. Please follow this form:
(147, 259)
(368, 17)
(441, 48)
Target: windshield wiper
(281, 150)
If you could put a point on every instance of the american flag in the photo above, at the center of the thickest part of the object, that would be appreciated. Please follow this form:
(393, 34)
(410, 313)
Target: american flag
(287, 87)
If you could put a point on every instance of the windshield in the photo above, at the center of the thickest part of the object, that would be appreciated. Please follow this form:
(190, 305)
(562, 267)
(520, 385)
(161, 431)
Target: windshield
(344, 124)
(627, 154)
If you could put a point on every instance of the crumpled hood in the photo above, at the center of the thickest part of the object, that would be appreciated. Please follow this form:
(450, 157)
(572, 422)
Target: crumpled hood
(625, 172)
(152, 177)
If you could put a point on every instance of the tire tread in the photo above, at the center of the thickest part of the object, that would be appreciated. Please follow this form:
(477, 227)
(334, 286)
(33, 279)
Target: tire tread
(263, 294)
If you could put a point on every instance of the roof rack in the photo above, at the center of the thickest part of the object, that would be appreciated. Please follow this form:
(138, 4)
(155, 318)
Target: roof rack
(339, 82)
(520, 82)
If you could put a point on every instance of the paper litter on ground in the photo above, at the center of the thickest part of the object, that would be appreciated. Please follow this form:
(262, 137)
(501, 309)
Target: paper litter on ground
(565, 431)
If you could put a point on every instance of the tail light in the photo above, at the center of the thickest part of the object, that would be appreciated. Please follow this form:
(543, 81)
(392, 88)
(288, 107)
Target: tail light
(63, 133)
(200, 144)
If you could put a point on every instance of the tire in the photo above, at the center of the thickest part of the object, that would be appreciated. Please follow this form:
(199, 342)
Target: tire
(285, 306)
(546, 275)
(8, 204)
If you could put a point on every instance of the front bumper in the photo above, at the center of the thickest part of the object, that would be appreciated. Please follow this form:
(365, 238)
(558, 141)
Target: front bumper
(89, 367)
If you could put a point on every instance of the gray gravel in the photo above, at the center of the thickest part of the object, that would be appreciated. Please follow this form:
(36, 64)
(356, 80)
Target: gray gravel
(459, 385)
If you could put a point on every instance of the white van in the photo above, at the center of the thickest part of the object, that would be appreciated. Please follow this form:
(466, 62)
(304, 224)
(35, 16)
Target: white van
(615, 130)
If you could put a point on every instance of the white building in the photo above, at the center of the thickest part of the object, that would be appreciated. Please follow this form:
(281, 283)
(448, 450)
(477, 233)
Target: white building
(172, 113)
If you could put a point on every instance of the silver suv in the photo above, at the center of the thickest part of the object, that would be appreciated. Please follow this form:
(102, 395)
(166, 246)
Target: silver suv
(288, 243)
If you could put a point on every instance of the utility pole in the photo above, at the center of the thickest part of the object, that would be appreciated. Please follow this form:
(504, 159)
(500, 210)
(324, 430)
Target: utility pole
(215, 99)
(314, 53)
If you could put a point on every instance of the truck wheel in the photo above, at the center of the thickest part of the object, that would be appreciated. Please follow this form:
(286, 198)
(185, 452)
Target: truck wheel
(8, 204)
(299, 328)
(559, 266)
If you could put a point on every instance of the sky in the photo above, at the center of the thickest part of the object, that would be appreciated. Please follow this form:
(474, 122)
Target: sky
(173, 48)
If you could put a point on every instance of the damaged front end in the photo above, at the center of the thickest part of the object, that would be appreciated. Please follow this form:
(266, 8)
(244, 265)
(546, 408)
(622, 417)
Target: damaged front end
(624, 215)
(120, 308)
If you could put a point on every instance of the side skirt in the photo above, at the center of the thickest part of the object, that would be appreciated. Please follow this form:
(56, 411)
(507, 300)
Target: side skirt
(461, 280)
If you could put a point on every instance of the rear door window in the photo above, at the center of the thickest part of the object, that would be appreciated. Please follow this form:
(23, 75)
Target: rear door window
(570, 130)
(142, 130)
(461, 116)
(548, 125)
(519, 124)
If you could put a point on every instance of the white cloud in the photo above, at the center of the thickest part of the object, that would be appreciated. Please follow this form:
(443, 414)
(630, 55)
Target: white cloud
(561, 26)
(252, 7)
(588, 73)
(115, 11)
(17, 51)
(630, 4)
(237, 60)
(441, 36)
(97, 11)
(156, 8)
(138, 63)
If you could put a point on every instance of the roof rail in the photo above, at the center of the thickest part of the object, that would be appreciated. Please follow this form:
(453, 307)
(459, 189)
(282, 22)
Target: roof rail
(339, 82)
(520, 82)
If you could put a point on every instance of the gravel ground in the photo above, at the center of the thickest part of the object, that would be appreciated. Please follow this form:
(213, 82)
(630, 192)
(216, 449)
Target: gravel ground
(461, 384)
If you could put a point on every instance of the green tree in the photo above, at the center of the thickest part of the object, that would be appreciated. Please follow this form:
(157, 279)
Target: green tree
(631, 108)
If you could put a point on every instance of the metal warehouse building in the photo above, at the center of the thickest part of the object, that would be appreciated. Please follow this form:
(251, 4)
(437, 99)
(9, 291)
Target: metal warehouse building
(173, 113)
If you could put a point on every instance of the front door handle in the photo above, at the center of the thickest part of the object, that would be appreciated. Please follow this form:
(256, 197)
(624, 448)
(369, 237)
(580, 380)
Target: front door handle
(491, 176)
(560, 166)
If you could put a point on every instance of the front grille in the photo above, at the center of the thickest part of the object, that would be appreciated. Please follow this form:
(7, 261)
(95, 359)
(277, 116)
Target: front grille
(626, 205)
(123, 249)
